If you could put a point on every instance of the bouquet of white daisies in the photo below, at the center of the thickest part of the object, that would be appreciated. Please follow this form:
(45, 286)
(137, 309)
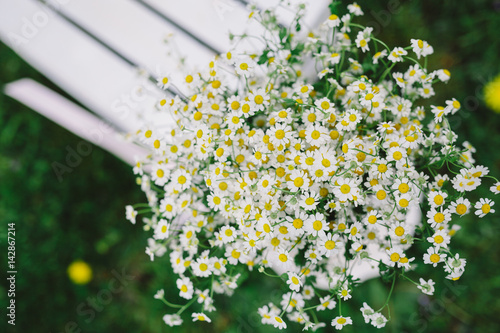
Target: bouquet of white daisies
(315, 161)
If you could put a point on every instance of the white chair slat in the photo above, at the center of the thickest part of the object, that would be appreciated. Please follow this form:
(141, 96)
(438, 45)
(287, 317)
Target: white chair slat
(74, 118)
(75, 62)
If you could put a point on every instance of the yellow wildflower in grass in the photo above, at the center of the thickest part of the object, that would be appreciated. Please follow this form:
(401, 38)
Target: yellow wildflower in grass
(492, 94)
(80, 272)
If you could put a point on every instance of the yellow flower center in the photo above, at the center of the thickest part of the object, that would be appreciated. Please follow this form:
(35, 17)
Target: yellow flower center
(395, 257)
(461, 209)
(298, 223)
(298, 182)
(438, 199)
(317, 225)
(330, 245)
(438, 239)
(485, 208)
(439, 217)
(435, 258)
(345, 189)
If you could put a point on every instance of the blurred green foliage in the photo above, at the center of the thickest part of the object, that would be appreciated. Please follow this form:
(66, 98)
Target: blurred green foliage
(82, 217)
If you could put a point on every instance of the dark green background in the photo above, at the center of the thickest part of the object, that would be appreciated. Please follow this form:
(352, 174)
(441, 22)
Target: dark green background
(82, 217)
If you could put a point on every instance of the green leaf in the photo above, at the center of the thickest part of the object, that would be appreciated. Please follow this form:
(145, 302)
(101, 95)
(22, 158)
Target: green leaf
(263, 58)
(283, 33)
(333, 7)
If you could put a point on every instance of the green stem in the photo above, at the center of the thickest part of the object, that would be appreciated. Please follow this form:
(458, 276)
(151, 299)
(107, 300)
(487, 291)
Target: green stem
(172, 305)
(186, 306)
(390, 293)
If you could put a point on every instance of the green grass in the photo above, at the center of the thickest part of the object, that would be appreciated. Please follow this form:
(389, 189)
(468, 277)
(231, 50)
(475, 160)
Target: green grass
(82, 217)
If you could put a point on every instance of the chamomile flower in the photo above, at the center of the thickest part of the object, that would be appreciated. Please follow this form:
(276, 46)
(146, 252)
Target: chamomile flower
(395, 255)
(460, 207)
(437, 198)
(215, 202)
(172, 320)
(443, 74)
(483, 207)
(200, 317)
(324, 72)
(298, 180)
(382, 169)
(495, 188)
(228, 234)
(355, 9)
(397, 54)
(309, 200)
(181, 179)
(259, 99)
(280, 134)
(349, 120)
(379, 55)
(296, 222)
(245, 66)
(192, 80)
(433, 256)
(333, 21)
(455, 266)
(160, 174)
(440, 239)
(316, 135)
(339, 322)
(427, 287)
(185, 287)
(329, 244)
(421, 48)
(325, 105)
(282, 258)
(363, 38)
(278, 322)
(437, 217)
(325, 303)
(162, 229)
(294, 281)
(163, 81)
(345, 292)
(367, 312)
(303, 90)
(378, 320)
(334, 58)
(316, 224)
(159, 294)
(130, 214)
(292, 301)
(202, 267)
